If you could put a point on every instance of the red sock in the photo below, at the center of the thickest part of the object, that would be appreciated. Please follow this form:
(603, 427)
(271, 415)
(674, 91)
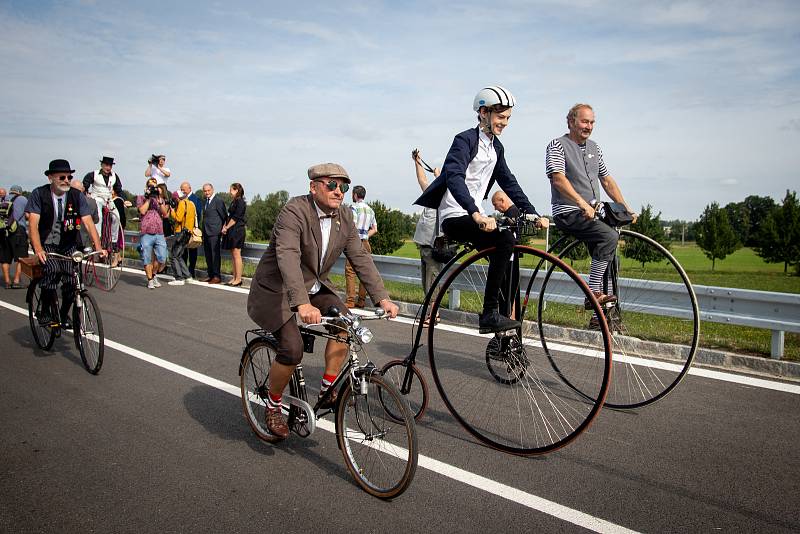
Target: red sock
(274, 402)
(327, 380)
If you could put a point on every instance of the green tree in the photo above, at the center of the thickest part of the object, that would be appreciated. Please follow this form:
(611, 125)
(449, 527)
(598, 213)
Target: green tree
(739, 217)
(652, 227)
(758, 209)
(714, 234)
(262, 213)
(391, 227)
(779, 235)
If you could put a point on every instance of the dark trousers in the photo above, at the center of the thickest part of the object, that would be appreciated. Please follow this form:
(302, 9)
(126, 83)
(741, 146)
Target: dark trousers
(464, 229)
(190, 259)
(212, 246)
(600, 238)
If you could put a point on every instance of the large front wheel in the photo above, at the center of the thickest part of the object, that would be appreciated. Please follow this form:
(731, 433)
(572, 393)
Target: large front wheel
(87, 326)
(655, 321)
(377, 435)
(501, 387)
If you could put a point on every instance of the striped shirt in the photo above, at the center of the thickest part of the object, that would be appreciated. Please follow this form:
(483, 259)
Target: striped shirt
(554, 162)
(363, 218)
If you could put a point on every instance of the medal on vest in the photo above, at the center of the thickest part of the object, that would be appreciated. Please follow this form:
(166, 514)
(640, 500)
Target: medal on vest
(69, 219)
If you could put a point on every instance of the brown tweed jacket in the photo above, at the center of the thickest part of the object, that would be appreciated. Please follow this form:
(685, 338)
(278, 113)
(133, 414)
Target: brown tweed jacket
(290, 266)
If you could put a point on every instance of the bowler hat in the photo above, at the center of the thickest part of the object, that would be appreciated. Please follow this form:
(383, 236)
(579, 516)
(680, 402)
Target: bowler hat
(107, 159)
(59, 165)
(328, 170)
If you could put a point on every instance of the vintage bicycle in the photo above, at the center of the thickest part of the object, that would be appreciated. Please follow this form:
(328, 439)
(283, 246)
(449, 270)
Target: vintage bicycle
(105, 271)
(374, 427)
(503, 388)
(45, 319)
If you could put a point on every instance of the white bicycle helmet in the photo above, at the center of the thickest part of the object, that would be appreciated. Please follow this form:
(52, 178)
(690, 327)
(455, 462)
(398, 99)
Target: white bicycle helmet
(492, 95)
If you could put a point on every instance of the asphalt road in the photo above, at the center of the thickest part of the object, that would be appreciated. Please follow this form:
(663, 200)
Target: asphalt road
(157, 443)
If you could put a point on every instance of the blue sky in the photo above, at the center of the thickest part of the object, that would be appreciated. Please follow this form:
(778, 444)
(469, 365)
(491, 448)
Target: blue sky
(695, 101)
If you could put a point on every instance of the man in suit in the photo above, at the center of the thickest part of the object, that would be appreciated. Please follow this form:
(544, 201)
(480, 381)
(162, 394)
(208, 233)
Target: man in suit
(190, 254)
(214, 215)
(310, 233)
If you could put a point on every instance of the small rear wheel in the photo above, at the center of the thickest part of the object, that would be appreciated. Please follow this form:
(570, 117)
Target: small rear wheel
(87, 326)
(377, 435)
(41, 316)
(409, 381)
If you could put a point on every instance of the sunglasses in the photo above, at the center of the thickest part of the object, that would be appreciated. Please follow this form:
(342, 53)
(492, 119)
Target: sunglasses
(63, 177)
(333, 184)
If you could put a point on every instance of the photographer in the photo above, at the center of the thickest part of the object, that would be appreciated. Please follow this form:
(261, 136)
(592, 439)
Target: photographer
(157, 169)
(152, 209)
(183, 213)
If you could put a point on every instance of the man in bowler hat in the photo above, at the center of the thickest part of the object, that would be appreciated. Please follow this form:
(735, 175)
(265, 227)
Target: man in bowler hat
(56, 212)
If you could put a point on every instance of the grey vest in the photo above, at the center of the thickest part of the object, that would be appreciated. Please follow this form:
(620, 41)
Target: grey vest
(582, 169)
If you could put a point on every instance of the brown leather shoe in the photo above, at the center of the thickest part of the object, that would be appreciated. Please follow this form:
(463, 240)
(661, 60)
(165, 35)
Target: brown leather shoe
(330, 402)
(215, 280)
(276, 424)
(602, 299)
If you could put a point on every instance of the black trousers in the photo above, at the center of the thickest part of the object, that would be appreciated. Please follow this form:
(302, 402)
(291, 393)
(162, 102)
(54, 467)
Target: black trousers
(190, 259)
(466, 230)
(600, 238)
(212, 246)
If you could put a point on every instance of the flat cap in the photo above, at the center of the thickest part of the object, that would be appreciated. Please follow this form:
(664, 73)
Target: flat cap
(15, 189)
(328, 170)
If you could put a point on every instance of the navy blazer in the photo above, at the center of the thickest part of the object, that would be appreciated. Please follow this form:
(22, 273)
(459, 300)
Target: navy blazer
(214, 216)
(454, 175)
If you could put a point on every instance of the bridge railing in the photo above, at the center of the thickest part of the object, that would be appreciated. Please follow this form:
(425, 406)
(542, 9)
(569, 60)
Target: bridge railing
(777, 312)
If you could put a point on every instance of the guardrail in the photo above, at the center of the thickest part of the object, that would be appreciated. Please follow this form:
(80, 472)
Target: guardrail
(778, 312)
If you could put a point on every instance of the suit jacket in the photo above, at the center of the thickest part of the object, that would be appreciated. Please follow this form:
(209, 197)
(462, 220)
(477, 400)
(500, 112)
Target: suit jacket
(214, 216)
(454, 173)
(291, 265)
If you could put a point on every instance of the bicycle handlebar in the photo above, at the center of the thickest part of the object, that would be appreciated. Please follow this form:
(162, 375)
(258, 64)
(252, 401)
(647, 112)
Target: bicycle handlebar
(76, 256)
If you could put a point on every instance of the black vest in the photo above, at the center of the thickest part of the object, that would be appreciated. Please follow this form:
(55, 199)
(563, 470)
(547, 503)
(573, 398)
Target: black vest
(71, 226)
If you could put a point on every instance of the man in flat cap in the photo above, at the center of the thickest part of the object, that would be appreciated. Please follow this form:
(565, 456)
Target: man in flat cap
(310, 233)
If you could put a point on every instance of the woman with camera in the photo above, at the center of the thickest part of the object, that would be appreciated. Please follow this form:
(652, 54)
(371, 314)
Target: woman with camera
(157, 169)
(152, 207)
(233, 232)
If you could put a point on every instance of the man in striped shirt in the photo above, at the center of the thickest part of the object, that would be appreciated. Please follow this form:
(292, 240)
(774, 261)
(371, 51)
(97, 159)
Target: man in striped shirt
(574, 164)
(364, 219)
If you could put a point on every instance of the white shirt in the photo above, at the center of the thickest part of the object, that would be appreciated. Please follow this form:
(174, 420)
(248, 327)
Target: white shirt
(325, 230)
(155, 172)
(479, 172)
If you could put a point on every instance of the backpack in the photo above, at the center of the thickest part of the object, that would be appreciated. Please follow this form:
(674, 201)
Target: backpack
(8, 225)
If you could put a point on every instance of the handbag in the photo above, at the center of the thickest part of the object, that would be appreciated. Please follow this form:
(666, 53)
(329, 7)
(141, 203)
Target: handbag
(615, 214)
(196, 235)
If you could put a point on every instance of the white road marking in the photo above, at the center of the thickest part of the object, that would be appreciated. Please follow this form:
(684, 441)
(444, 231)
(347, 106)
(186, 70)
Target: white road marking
(488, 485)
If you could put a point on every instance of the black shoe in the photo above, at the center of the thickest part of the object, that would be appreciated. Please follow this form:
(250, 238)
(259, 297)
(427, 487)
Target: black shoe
(66, 324)
(492, 321)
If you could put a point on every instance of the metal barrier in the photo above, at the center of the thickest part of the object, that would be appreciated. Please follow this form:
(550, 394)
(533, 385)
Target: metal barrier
(778, 312)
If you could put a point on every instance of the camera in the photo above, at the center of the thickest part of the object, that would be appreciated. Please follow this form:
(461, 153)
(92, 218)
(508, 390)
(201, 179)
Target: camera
(151, 191)
(173, 202)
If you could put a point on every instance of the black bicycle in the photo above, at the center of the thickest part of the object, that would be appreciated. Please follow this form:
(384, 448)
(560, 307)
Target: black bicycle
(374, 427)
(87, 325)
(655, 321)
(503, 388)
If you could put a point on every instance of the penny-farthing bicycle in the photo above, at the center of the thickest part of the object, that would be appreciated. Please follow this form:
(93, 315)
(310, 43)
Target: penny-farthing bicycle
(503, 388)
(105, 272)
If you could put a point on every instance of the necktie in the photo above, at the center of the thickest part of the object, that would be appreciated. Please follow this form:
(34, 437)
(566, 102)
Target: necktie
(60, 215)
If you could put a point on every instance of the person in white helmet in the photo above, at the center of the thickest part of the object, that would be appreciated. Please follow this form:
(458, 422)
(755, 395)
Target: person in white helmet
(474, 163)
